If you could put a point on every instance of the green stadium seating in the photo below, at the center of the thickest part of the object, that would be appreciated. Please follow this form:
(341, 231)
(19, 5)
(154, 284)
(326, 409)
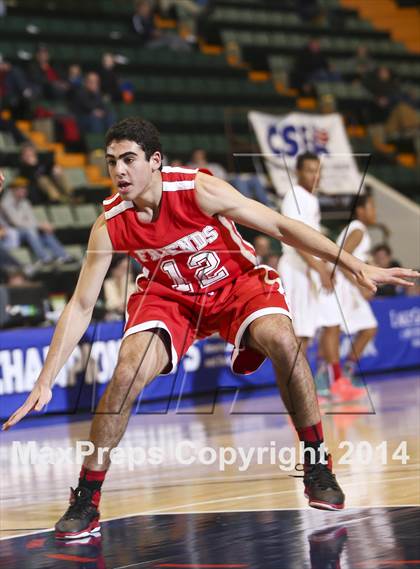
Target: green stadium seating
(84, 215)
(76, 177)
(22, 255)
(61, 216)
(41, 214)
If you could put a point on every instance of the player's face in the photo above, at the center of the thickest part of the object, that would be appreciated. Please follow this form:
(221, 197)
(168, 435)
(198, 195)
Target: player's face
(370, 212)
(128, 168)
(308, 175)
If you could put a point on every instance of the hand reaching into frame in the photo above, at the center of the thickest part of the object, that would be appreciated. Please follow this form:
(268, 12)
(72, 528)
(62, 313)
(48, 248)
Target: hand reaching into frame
(37, 399)
(370, 277)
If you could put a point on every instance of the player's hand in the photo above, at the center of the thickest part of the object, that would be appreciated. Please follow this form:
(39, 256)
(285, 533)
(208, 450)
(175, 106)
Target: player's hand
(370, 277)
(38, 398)
(1, 181)
(327, 282)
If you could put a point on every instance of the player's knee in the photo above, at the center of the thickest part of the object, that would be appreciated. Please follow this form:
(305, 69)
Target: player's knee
(281, 345)
(371, 333)
(126, 383)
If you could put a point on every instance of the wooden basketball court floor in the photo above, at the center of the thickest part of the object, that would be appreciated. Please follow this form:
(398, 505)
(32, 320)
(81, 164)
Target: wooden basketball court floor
(175, 515)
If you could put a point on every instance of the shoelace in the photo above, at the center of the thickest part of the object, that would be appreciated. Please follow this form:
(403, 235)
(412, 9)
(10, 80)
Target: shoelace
(322, 476)
(82, 503)
(318, 473)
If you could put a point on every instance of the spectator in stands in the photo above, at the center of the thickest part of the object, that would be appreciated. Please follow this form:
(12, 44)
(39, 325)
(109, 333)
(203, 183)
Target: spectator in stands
(177, 163)
(273, 260)
(9, 127)
(404, 119)
(150, 36)
(15, 91)
(44, 77)
(7, 261)
(262, 248)
(199, 160)
(310, 66)
(17, 277)
(309, 10)
(187, 13)
(89, 106)
(382, 257)
(362, 63)
(385, 89)
(248, 184)
(40, 237)
(46, 179)
(9, 237)
(118, 287)
(74, 79)
(110, 85)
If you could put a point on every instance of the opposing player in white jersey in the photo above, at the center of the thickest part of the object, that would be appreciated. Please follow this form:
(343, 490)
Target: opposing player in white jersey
(307, 279)
(358, 315)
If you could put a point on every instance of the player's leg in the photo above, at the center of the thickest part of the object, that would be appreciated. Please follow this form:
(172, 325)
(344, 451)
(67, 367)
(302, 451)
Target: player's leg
(273, 336)
(303, 342)
(142, 357)
(361, 340)
(330, 379)
(361, 323)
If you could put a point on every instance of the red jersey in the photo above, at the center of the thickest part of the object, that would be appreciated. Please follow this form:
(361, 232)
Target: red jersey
(184, 248)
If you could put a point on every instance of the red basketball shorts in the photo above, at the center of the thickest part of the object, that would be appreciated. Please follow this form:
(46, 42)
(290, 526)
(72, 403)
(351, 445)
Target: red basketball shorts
(189, 317)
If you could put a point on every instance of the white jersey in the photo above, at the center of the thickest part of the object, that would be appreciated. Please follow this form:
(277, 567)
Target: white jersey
(301, 205)
(362, 251)
(302, 284)
(357, 313)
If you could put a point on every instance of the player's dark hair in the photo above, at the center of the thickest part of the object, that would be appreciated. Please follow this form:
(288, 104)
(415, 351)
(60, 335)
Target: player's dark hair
(382, 247)
(305, 156)
(361, 200)
(143, 132)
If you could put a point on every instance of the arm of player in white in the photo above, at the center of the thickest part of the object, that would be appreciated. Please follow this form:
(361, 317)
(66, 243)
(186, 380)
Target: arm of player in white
(216, 196)
(352, 240)
(74, 320)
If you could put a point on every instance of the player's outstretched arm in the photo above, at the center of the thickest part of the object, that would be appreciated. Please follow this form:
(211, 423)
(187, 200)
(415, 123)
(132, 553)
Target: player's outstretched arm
(1, 181)
(217, 197)
(74, 320)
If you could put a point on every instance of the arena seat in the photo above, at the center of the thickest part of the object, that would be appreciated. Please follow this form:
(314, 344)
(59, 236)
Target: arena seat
(84, 215)
(22, 255)
(61, 216)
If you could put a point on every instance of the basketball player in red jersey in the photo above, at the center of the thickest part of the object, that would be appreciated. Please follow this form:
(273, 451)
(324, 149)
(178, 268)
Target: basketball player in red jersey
(199, 277)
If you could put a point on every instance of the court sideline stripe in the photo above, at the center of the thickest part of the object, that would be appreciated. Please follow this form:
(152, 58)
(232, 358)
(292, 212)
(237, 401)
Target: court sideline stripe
(238, 511)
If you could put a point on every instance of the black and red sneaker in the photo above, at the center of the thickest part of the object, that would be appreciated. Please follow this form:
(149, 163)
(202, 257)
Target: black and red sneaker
(321, 486)
(82, 517)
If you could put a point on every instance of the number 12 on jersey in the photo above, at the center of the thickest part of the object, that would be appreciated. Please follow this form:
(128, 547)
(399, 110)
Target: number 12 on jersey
(207, 271)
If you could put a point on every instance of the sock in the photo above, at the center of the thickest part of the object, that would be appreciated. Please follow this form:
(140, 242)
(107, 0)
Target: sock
(312, 438)
(334, 371)
(93, 480)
